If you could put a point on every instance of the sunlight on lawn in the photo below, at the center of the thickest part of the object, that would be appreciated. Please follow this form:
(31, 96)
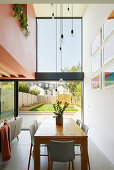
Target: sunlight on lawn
(49, 107)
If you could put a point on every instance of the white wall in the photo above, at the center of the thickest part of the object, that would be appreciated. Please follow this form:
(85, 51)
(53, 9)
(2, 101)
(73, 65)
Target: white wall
(98, 105)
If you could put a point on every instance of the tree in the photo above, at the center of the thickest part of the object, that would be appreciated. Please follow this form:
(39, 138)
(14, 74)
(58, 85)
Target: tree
(72, 69)
(23, 87)
(34, 92)
(74, 87)
(78, 92)
(9, 86)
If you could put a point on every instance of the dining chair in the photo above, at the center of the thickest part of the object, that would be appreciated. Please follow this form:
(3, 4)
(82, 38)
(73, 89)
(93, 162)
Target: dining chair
(79, 122)
(36, 125)
(33, 130)
(85, 128)
(61, 152)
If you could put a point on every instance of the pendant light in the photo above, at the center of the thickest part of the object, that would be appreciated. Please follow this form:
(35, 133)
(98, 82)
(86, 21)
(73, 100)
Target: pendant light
(68, 9)
(61, 22)
(52, 8)
(72, 30)
(56, 49)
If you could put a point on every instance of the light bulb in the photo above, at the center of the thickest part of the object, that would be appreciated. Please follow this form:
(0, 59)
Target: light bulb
(72, 33)
(60, 48)
(53, 15)
(62, 38)
(52, 8)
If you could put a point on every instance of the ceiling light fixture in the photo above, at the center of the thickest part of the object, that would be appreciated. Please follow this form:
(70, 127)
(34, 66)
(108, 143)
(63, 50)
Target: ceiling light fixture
(52, 8)
(56, 50)
(72, 30)
(68, 9)
(61, 22)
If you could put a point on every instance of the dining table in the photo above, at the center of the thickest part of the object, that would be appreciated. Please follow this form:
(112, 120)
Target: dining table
(69, 131)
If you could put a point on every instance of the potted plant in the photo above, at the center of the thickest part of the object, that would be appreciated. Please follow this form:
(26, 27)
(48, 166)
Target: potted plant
(59, 110)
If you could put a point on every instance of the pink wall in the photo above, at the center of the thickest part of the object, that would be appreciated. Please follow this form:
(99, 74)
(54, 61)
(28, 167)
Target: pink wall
(12, 39)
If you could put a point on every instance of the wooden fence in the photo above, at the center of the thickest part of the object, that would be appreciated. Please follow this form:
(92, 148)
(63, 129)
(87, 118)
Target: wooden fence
(29, 99)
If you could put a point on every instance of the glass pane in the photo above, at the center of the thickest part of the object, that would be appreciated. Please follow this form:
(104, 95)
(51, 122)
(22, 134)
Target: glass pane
(6, 100)
(41, 95)
(69, 56)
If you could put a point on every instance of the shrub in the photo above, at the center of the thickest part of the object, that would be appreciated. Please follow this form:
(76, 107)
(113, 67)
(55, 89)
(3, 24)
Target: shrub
(34, 92)
(23, 87)
(8, 86)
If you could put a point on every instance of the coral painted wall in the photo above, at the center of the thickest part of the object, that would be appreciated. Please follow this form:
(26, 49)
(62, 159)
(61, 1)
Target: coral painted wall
(12, 39)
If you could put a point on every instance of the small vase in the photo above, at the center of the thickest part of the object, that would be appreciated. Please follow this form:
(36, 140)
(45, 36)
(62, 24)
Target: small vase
(59, 120)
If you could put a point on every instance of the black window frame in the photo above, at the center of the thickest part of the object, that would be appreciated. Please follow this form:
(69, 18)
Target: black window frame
(56, 76)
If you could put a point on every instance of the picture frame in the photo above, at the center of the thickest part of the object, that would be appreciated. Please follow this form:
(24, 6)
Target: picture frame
(107, 29)
(96, 43)
(96, 62)
(108, 52)
(108, 77)
(96, 82)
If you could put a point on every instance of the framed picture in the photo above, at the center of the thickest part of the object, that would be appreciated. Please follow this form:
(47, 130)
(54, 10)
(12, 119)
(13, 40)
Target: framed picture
(108, 28)
(96, 43)
(96, 82)
(108, 52)
(96, 62)
(108, 77)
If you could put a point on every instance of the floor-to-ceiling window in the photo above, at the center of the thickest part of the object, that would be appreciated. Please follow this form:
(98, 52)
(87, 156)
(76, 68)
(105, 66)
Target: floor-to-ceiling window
(36, 99)
(59, 51)
(6, 100)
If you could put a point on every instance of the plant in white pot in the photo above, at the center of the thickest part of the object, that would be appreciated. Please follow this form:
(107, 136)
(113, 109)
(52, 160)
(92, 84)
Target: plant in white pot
(59, 110)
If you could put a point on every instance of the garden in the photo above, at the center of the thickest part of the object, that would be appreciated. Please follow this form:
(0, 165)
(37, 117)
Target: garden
(49, 107)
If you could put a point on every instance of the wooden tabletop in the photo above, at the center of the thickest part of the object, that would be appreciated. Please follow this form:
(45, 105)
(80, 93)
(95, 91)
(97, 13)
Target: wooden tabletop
(69, 129)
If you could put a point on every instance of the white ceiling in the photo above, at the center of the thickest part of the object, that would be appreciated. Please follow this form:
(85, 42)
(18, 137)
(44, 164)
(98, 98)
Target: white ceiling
(56, 1)
(45, 10)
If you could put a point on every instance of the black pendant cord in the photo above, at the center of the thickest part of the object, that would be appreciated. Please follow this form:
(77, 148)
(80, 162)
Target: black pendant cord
(56, 38)
(72, 30)
(61, 31)
(72, 16)
(52, 6)
(61, 21)
(61, 51)
(56, 50)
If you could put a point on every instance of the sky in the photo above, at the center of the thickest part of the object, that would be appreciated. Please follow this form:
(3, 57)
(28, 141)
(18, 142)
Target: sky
(71, 46)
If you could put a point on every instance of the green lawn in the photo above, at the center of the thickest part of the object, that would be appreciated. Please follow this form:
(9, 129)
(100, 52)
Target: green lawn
(49, 107)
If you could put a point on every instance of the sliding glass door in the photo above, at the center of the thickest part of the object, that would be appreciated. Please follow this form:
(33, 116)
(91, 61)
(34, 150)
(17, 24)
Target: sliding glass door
(6, 100)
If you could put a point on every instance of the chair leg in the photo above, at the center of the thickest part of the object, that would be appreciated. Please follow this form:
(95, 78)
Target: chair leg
(88, 162)
(69, 165)
(72, 164)
(87, 158)
(48, 161)
(51, 165)
(18, 138)
(29, 156)
(81, 149)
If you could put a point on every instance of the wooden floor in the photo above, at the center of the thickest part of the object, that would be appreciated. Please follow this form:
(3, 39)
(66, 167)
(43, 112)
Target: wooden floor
(20, 154)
